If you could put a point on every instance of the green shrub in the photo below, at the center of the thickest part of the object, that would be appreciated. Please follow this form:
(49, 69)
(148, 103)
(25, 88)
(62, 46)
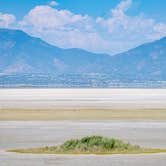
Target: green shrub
(95, 143)
(92, 145)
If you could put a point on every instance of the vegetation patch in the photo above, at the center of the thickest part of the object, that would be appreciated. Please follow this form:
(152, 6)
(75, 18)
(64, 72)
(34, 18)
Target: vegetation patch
(91, 145)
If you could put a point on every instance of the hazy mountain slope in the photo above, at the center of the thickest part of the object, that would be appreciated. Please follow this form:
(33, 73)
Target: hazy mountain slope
(23, 54)
(147, 61)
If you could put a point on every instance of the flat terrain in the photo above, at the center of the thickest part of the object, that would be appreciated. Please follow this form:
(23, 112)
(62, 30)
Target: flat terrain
(82, 99)
(82, 114)
(46, 117)
(38, 134)
(8, 159)
(20, 134)
(82, 104)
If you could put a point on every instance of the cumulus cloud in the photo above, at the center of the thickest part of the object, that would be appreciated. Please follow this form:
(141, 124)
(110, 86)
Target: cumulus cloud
(62, 27)
(53, 3)
(116, 33)
(160, 30)
(122, 7)
(46, 17)
(6, 20)
(130, 30)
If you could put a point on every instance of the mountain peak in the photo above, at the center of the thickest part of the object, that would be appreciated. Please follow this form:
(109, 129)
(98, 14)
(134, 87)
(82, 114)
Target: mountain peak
(11, 34)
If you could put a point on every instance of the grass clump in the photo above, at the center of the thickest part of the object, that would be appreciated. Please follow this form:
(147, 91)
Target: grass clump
(91, 145)
(95, 144)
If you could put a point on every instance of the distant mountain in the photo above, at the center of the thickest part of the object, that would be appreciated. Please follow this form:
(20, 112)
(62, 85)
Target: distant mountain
(21, 54)
(146, 62)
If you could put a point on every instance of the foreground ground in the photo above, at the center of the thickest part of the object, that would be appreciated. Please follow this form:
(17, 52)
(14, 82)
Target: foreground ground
(38, 117)
(12, 159)
(98, 145)
(20, 134)
(37, 134)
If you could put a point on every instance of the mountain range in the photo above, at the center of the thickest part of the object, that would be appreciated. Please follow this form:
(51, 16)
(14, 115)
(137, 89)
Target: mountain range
(22, 54)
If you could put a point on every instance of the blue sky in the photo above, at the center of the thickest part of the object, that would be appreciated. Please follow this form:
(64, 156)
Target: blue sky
(109, 26)
(155, 8)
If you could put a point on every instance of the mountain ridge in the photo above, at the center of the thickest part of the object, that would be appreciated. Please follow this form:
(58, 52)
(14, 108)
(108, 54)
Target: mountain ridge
(38, 50)
(22, 54)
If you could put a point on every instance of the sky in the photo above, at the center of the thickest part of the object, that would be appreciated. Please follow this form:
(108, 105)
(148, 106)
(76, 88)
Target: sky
(102, 26)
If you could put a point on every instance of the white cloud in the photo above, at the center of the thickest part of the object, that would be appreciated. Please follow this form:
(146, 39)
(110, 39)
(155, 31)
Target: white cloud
(160, 30)
(63, 28)
(46, 17)
(122, 7)
(53, 3)
(130, 30)
(6, 20)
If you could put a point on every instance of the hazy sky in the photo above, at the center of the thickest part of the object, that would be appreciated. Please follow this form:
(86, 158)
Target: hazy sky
(109, 26)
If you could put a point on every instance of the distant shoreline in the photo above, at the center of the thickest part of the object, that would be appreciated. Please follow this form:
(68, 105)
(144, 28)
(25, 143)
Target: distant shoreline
(77, 87)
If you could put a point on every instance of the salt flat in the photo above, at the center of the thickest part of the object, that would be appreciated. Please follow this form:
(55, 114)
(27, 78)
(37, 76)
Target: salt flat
(21, 134)
(8, 159)
(82, 98)
(37, 134)
(26, 134)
